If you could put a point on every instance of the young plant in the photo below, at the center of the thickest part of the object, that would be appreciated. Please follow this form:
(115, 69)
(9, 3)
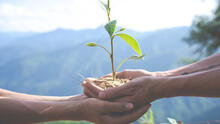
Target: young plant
(110, 27)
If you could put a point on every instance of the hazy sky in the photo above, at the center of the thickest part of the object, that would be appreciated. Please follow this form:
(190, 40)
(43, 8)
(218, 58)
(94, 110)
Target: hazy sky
(140, 15)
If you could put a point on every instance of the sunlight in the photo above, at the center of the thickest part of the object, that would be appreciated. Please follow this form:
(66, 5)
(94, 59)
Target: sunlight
(140, 15)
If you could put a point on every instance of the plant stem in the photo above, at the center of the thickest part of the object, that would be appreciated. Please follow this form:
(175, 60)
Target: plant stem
(112, 44)
(104, 49)
(112, 59)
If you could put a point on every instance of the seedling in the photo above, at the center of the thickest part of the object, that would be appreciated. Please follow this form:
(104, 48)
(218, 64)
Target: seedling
(111, 27)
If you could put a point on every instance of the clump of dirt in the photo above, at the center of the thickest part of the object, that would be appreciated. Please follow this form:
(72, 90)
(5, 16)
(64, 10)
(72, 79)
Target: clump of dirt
(107, 82)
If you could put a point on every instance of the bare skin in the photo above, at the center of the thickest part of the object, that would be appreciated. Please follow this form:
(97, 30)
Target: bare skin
(147, 86)
(10, 94)
(40, 109)
(208, 63)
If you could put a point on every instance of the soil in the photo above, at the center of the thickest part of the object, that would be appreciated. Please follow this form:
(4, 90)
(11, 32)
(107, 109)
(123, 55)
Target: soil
(107, 82)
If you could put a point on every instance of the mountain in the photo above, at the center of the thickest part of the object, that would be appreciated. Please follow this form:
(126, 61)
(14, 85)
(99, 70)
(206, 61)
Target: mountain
(56, 62)
(6, 38)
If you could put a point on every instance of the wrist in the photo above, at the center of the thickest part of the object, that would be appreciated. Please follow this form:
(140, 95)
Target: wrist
(72, 110)
(172, 86)
(158, 87)
(154, 87)
(62, 110)
(53, 112)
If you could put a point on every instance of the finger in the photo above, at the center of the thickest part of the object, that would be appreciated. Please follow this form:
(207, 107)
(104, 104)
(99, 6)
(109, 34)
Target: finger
(125, 74)
(89, 93)
(93, 94)
(122, 99)
(109, 107)
(114, 92)
(110, 75)
(120, 74)
(133, 116)
(90, 79)
(87, 80)
(92, 87)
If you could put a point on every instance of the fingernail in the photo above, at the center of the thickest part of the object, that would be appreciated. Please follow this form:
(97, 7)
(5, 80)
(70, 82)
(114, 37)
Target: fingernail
(129, 106)
(101, 95)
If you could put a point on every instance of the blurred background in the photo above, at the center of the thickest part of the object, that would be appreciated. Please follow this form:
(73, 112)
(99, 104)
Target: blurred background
(42, 46)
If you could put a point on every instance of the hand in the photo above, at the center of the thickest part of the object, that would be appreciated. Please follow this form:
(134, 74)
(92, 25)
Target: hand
(104, 112)
(136, 73)
(139, 91)
(133, 73)
(92, 90)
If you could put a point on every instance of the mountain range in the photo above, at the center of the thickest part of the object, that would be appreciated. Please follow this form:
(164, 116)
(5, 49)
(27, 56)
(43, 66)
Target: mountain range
(56, 62)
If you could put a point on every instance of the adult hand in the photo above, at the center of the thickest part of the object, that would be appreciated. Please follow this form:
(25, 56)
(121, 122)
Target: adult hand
(136, 73)
(139, 91)
(133, 73)
(104, 112)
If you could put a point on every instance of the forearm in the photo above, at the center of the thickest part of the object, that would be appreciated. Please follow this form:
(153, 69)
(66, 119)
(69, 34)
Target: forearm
(13, 111)
(202, 84)
(203, 65)
(10, 94)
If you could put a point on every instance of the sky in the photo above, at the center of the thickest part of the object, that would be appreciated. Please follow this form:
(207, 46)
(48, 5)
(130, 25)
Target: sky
(139, 15)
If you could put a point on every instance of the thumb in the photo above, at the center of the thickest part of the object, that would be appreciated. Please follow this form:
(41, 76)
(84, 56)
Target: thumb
(113, 93)
(90, 79)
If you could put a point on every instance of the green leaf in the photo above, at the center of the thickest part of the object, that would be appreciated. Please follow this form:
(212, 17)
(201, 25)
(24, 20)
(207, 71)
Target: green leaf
(127, 59)
(110, 27)
(120, 30)
(131, 42)
(104, 5)
(108, 3)
(137, 57)
(147, 118)
(91, 44)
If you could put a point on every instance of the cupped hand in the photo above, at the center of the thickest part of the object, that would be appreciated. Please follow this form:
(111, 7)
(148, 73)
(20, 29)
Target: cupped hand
(105, 112)
(136, 73)
(132, 73)
(139, 91)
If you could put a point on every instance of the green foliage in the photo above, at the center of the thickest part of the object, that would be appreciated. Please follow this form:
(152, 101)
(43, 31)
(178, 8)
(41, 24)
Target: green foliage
(132, 42)
(120, 30)
(110, 27)
(205, 33)
(107, 8)
(130, 58)
(61, 69)
(91, 44)
(147, 118)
